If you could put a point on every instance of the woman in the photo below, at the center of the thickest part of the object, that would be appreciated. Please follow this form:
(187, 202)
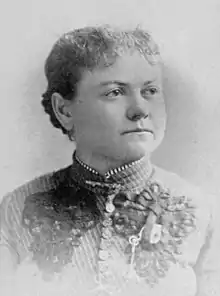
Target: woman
(111, 223)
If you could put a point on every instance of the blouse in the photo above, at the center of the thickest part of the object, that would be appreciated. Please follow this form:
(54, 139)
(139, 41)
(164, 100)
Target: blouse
(136, 230)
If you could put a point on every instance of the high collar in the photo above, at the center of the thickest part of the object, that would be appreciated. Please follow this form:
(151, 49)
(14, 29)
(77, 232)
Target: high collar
(130, 177)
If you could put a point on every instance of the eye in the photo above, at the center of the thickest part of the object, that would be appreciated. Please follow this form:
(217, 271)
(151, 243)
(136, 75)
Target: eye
(115, 93)
(150, 91)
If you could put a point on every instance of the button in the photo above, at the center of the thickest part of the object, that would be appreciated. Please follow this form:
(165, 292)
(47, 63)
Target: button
(105, 244)
(110, 208)
(106, 233)
(103, 254)
(36, 229)
(107, 222)
(103, 267)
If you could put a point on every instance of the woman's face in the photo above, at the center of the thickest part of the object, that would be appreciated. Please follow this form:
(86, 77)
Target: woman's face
(114, 101)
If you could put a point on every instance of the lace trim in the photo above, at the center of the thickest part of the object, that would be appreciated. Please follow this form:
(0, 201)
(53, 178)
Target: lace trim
(153, 249)
(57, 226)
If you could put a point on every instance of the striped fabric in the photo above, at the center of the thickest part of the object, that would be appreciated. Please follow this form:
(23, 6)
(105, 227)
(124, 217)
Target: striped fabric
(79, 278)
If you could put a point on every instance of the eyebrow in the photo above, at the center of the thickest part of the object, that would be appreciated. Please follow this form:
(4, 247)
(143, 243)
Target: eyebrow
(105, 83)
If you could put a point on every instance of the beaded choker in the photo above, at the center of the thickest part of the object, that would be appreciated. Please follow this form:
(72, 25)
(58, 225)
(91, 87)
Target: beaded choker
(110, 172)
(132, 177)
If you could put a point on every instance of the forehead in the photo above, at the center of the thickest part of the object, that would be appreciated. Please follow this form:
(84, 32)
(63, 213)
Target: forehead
(129, 68)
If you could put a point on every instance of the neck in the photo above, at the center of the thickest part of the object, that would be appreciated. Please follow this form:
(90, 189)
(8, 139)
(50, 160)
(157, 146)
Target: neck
(103, 164)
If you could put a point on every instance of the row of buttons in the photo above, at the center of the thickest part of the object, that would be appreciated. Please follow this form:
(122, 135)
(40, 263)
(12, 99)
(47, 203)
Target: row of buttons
(106, 236)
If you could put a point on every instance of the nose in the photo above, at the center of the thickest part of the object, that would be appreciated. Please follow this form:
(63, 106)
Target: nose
(138, 108)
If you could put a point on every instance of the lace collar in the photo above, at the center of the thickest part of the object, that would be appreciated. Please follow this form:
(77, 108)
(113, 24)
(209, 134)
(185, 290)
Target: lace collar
(131, 177)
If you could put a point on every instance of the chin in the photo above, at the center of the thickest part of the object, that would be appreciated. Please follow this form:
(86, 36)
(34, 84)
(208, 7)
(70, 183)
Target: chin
(139, 150)
(136, 153)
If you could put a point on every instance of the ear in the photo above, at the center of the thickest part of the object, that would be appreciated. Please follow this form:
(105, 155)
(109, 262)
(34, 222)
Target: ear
(62, 110)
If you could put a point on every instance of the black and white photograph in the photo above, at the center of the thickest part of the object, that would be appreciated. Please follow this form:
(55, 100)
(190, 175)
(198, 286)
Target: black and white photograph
(110, 148)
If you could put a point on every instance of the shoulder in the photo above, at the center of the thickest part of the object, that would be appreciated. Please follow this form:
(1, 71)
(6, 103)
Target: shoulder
(40, 184)
(204, 202)
(176, 183)
(12, 204)
(179, 186)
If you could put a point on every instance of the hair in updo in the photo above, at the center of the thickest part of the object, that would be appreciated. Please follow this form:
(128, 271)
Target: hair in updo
(86, 49)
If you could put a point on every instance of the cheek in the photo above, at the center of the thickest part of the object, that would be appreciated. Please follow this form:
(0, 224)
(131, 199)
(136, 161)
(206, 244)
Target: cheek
(96, 122)
(158, 112)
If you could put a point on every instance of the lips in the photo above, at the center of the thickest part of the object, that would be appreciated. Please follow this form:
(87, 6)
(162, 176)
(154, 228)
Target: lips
(137, 130)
